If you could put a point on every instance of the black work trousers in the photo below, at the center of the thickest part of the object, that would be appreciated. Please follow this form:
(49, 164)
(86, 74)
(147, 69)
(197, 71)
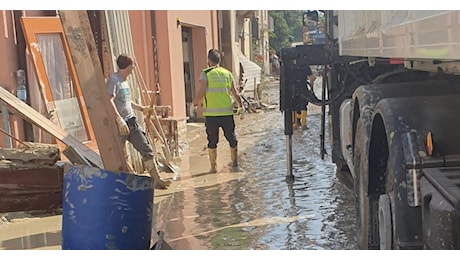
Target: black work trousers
(213, 123)
(138, 139)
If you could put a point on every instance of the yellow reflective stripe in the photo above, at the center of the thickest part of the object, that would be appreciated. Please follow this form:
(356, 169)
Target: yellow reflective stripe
(217, 90)
(218, 110)
(216, 78)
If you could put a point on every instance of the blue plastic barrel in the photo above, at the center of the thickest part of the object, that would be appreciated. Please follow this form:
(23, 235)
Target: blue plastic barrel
(106, 210)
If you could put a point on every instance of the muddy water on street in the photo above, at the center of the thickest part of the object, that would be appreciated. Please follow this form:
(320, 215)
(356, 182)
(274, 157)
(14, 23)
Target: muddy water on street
(255, 207)
(252, 207)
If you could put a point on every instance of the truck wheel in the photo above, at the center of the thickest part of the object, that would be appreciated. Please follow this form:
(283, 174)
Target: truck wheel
(367, 201)
(385, 223)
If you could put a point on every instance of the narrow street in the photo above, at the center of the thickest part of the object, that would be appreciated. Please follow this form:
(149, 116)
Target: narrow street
(253, 207)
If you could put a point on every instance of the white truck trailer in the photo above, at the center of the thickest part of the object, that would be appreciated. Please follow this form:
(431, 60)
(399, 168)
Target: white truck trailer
(392, 86)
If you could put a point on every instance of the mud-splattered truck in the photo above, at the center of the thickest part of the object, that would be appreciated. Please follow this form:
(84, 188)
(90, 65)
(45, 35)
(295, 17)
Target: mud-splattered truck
(391, 106)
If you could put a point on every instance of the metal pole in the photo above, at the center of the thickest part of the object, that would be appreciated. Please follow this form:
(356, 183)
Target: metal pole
(288, 131)
(289, 155)
(6, 126)
(323, 113)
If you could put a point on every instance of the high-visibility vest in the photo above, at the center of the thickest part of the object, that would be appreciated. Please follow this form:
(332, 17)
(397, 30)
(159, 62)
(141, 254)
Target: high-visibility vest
(218, 101)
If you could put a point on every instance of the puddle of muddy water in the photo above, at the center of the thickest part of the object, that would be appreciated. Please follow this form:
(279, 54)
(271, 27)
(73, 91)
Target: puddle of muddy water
(256, 208)
(252, 207)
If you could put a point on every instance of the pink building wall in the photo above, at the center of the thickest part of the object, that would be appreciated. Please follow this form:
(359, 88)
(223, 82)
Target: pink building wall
(141, 30)
(169, 37)
(8, 68)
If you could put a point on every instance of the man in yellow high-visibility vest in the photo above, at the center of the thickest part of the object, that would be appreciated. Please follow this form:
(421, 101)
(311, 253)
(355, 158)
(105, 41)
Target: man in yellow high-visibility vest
(214, 94)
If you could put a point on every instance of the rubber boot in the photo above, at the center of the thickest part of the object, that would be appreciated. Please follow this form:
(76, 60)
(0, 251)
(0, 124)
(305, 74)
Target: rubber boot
(234, 156)
(213, 159)
(303, 119)
(294, 120)
(152, 168)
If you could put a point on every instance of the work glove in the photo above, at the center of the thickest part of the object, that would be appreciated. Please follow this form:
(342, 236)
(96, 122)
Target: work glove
(123, 128)
(147, 110)
(240, 112)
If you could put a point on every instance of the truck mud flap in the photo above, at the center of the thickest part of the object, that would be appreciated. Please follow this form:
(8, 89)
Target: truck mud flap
(440, 190)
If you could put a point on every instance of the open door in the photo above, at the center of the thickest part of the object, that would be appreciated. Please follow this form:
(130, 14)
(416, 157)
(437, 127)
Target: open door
(56, 75)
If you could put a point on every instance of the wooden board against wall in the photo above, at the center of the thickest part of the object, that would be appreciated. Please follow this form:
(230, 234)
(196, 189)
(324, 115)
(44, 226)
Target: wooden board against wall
(89, 70)
(117, 26)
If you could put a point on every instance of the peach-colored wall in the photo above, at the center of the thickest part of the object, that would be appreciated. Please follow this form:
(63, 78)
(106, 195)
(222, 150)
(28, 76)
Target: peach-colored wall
(141, 31)
(8, 68)
(9, 51)
(8, 71)
(169, 35)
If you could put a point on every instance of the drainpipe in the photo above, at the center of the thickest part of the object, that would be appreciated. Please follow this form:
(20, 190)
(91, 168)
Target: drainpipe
(6, 126)
(22, 61)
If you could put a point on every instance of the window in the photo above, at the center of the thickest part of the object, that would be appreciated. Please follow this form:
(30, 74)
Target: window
(56, 76)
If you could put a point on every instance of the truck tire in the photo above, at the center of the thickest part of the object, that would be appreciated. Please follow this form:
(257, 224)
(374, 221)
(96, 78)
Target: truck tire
(385, 223)
(362, 200)
(370, 162)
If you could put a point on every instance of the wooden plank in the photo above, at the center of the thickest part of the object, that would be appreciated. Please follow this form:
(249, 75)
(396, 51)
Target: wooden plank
(48, 200)
(74, 156)
(89, 71)
(34, 117)
(119, 32)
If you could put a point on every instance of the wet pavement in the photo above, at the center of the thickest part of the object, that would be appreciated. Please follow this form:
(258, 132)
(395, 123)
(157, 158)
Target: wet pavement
(252, 207)
(256, 207)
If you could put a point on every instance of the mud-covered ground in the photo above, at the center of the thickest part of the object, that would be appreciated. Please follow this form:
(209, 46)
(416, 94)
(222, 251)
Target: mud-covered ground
(256, 207)
(252, 207)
